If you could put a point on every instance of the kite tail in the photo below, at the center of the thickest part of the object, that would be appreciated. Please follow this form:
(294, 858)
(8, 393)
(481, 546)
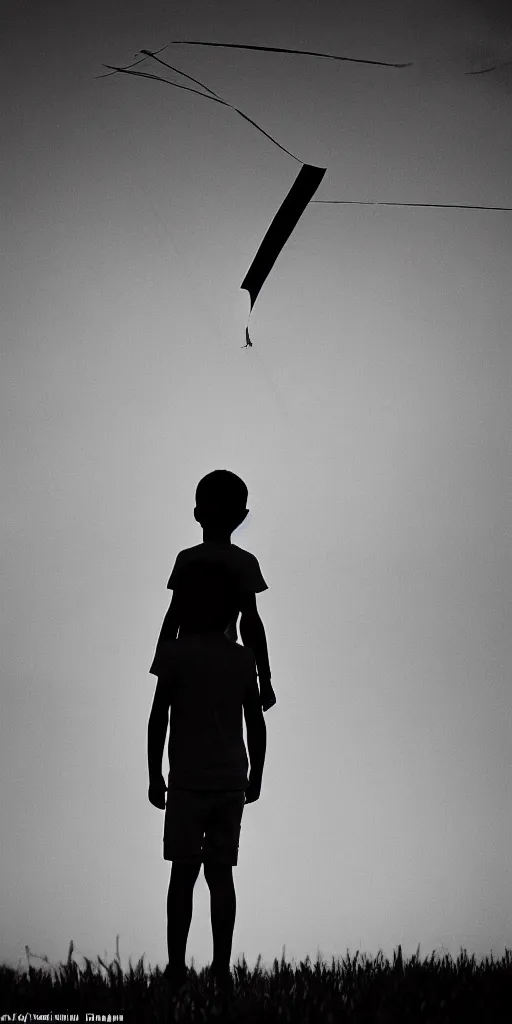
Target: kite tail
(248, 342)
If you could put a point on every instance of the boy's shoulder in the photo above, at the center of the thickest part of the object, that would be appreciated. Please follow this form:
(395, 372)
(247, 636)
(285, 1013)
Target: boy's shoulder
(212, 550)
(243, 562)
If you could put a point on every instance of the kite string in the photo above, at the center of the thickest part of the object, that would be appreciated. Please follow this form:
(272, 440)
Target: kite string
(283, 49)
(156, 78)
(493, 68)
(217, 99)
(308, 53)
(213, 96)
(165, 64)
(151, 53)
(135, 62)
(314, 53)
(439, 206)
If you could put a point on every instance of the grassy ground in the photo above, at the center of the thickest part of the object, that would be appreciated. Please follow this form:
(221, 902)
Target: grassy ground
(358, 990)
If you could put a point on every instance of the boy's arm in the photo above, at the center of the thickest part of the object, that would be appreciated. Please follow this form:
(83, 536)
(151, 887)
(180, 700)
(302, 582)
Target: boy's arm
(157, 731)
(252, 632)
(170, 627)
(171, 621)
(256, 740)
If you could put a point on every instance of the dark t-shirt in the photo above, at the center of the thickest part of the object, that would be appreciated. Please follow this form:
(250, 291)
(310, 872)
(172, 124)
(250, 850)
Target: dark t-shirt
(243, 564)
(207, 679)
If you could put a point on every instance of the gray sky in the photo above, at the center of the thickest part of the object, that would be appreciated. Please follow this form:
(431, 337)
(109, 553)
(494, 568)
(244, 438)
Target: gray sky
(370, 421)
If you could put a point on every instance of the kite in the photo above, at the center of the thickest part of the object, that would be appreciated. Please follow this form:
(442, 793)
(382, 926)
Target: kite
(306, 182)
(303, 188)
(293, 206)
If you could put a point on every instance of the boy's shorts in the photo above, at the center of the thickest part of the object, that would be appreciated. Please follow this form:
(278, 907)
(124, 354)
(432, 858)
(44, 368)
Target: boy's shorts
(203, 824)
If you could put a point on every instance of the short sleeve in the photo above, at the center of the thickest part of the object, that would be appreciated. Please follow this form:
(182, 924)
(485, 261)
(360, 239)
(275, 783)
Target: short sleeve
(252, 577)
(243, 564)
(173, 578)
(163, 659)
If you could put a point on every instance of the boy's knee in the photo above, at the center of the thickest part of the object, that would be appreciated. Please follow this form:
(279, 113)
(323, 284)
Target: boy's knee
(185, 870)
(218, 874)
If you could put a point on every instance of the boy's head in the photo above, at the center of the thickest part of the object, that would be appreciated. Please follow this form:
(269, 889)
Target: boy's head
(221, 499)
(207, 598)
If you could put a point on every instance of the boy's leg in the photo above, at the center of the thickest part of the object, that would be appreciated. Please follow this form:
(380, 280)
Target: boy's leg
(219, 878)
(179, 910)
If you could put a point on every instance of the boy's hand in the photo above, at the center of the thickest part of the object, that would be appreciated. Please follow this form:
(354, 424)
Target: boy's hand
(252, 793)
(156, 792)
(267, 695)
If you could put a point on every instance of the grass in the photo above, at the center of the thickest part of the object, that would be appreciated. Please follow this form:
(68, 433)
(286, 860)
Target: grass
(355, 991)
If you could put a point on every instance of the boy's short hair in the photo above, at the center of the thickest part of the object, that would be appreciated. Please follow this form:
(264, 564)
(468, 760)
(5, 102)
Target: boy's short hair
(221, 494)
(207, 595)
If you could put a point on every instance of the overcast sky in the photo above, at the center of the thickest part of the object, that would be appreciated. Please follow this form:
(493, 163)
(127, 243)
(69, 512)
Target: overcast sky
(370, 421)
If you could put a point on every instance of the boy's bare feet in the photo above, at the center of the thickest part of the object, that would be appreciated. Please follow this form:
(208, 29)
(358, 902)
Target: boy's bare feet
(222, 980)
(176, 977)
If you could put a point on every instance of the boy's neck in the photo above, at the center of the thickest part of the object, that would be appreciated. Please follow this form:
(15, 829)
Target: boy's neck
(213, 537)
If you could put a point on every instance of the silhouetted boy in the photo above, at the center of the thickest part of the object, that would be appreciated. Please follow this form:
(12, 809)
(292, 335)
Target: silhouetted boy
(208, 683)
(221, 499)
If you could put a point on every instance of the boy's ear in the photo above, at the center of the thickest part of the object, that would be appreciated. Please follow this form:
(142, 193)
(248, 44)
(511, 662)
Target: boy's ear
(240, 519)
